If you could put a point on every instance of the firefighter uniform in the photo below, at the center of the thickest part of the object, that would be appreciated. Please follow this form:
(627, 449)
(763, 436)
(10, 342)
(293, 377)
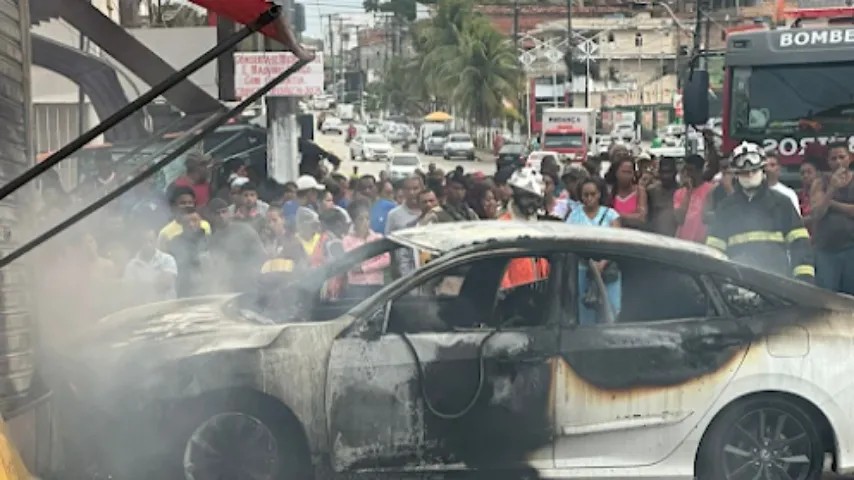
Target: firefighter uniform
(763, 231)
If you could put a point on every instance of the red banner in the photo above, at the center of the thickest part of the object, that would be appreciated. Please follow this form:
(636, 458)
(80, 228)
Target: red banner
(246, 11)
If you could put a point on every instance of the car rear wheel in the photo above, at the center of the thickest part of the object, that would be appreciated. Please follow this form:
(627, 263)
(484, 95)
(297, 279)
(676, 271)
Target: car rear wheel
(761, 437)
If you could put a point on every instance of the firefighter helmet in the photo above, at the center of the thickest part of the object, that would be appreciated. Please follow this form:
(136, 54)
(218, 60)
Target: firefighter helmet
(748, 157)
(529, 180)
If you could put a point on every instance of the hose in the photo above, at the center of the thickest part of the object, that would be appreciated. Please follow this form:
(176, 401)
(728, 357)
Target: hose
(481, 380)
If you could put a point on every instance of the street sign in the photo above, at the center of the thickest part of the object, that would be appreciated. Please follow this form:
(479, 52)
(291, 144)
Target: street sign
(253, 69)
(527, 58)
(588, 49)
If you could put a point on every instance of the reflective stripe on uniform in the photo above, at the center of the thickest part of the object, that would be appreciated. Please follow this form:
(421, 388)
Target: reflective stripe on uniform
(798, 234)
(716, 243)
(278, 265)
(755, 237)
(807, 270)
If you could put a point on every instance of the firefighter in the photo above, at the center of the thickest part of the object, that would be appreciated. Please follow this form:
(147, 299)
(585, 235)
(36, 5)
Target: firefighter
(526, 204)
(759, 226)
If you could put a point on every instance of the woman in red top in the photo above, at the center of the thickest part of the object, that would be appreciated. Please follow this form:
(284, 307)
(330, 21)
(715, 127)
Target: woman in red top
(629, 200)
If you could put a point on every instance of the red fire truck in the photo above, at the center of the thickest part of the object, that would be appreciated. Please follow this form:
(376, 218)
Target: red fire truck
(786, 87)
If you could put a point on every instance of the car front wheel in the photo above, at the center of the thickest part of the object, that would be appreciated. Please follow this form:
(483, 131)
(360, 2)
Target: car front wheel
(246, 445)
(762, 437)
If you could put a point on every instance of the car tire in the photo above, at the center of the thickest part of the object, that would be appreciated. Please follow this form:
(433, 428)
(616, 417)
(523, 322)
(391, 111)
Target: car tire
(472, 157)
(446, 156)
(726, 446)
(269, 427)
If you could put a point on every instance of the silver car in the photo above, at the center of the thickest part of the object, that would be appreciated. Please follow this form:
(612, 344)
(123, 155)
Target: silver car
(370, 147)
(435, 143)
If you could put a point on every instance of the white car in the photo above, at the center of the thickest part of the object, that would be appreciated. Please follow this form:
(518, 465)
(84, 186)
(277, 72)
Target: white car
(458, 145)
(604, 142)
(332, 125)
(675, 150)
(706, 368)
(370, 147)
(402, 165)
(624, 131)
(535, 159)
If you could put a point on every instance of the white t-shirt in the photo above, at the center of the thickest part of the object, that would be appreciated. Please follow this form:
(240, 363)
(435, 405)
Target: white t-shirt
(144, 274)
(789, 193)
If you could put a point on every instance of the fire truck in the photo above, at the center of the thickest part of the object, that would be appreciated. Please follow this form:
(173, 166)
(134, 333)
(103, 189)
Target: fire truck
(787, 87)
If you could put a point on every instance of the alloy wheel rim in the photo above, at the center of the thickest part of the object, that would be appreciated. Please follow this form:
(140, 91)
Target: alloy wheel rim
(231, 445)
(767, 444)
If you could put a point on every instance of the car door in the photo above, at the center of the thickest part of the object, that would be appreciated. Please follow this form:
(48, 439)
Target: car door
(440, 387)
(644, 382)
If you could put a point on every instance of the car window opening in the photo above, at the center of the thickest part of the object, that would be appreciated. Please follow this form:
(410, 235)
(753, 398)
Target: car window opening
(638, 291)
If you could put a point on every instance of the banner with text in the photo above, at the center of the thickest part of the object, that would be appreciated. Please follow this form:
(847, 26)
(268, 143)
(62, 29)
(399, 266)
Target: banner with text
(254, 69)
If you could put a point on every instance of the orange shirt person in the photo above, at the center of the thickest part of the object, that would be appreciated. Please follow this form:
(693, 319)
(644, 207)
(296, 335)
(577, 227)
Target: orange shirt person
(528, 198)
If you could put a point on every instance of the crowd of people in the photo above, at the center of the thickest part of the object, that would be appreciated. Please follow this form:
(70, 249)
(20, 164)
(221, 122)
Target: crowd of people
(196, 241)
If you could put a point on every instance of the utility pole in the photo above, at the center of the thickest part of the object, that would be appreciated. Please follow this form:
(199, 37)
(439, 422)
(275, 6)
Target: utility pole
(343, 61)
(283, 131)
(388, 39)
(516, 25)
(568, 58)
(359, 86)
(329, 18)
(706, 45)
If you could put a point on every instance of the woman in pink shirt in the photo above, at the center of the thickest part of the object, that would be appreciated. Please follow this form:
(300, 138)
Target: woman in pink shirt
(629, 200)
(369, 277)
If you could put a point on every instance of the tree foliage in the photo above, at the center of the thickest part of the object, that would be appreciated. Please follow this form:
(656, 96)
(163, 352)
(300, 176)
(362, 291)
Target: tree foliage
(460, 59)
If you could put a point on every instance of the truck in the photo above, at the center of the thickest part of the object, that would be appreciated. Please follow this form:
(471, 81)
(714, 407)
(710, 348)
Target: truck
(782, 87)
(346, 112)
(569, 131)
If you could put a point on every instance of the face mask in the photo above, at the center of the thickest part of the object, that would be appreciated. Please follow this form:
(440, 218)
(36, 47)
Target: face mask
(751, 180)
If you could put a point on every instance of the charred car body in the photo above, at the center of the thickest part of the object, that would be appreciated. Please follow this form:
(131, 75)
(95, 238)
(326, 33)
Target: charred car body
(706, 368)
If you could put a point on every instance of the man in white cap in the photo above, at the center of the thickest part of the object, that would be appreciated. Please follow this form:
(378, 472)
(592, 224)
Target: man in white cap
(307, 193)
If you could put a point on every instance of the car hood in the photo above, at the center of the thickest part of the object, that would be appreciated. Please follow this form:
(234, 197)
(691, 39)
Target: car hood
(168, 349)
(403, 169)
(166, 331)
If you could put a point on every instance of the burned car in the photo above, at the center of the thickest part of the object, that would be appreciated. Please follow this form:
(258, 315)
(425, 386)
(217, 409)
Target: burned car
(702, 367)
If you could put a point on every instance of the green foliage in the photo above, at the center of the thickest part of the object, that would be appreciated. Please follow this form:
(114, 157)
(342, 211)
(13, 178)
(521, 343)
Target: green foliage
(460, 59)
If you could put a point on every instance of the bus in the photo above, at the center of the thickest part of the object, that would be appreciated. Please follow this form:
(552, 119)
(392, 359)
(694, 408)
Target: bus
(787, 88)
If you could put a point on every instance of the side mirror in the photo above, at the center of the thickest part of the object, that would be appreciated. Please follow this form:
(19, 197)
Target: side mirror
(695, 98)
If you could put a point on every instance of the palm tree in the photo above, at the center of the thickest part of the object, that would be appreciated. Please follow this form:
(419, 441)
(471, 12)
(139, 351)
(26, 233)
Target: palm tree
(461, 60)
(488, 73)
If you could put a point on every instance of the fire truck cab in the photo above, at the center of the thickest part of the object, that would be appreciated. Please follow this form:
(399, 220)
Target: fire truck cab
(786, 87)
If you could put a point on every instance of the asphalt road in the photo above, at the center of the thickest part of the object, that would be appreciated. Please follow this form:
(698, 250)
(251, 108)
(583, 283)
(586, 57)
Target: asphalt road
(335, 143)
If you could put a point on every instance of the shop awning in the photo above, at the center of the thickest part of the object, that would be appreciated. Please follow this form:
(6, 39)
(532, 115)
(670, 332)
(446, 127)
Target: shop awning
(246, 11)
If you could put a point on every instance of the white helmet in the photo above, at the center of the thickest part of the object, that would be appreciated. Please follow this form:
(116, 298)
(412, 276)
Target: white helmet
(529, 180)
(748, 157)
